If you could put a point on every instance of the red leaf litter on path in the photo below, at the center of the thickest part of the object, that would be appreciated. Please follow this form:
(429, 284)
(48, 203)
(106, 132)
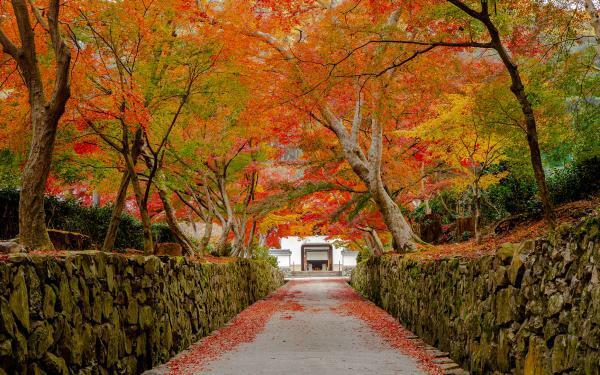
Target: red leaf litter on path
(353, 304)
(242, 329)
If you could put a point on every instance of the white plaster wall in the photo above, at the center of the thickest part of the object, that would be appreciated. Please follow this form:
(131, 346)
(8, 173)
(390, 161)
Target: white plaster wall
(294, 244)
(283, 260)
(350, 260)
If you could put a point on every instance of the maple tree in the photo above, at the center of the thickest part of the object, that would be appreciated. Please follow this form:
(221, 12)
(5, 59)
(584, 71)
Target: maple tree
(466, 137)
(155, 78)
(27, 23)
(366, 96)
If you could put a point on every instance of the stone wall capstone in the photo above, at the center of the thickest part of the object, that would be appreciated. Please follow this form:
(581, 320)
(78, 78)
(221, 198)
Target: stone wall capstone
(532, 308)
(100, 313)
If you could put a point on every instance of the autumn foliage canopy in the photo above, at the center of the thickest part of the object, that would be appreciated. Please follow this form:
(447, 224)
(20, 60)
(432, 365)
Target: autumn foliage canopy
(261, 119)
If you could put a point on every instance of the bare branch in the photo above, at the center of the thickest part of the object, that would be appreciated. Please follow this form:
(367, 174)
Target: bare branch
(465, 8)
(8, 46)
(357, 118)
(38, 16)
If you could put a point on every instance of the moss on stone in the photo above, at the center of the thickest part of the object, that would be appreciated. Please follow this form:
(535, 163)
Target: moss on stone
(40, 340)
(54, 364)
(106, 313)
(19, 300)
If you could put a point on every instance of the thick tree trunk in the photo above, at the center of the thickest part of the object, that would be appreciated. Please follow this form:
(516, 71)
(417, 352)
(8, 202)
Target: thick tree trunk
(402, 233)
(369, 171)
(163, 192)
(32, 218)
(115, 219)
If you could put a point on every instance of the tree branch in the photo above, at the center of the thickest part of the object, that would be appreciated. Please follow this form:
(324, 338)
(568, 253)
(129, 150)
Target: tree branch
(8, 46)
(465, 8)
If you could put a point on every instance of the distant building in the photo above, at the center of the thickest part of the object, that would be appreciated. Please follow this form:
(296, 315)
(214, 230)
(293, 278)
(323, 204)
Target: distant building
(314, 253)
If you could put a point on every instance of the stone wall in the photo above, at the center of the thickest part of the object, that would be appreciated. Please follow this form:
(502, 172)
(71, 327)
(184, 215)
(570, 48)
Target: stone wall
(99, 313)
(532, 308)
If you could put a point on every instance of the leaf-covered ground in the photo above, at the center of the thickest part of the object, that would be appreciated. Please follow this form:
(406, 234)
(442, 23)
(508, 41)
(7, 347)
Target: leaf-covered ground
(528, 229)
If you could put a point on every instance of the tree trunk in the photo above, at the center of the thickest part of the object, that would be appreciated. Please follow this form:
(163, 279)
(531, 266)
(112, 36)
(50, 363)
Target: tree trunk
(595, 21)
(250, 246)
(403, 237)
(262, 240)
(532, 137)
(369, 243)
(477, 216)
(229, 220)
(142, 205)
(374, 240)
(239, 231)
(538, 171)
(182, 238)
(96, 198)
(369, 171)
(518, 89)
(208, 226)
(402, 233)
(425, 198)
(115, 219)
(32, 218)
(222, 244)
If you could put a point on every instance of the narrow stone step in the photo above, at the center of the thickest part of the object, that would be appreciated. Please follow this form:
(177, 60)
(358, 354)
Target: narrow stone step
(444, 360)
(457, 371)
(298, 274)
(448, 366)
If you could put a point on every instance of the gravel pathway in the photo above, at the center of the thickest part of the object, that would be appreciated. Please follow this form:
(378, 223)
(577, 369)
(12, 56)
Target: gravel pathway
(308, 326)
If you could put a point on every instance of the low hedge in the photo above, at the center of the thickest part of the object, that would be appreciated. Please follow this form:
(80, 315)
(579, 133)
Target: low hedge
(70, 215)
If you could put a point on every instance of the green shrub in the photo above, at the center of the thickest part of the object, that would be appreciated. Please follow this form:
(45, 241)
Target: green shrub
(517, 194)
(362, 256)
(511, 195)
(262, 253)
(9, 169)
(574, 181)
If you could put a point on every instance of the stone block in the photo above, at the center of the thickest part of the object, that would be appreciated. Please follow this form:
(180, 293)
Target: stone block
(507, 305)
(564, 353)
(19, 300)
